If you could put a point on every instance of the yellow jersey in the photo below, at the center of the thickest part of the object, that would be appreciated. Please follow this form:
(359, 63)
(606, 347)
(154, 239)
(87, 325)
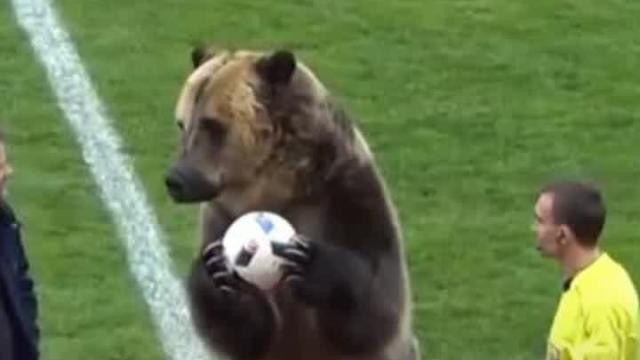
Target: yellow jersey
(597, 317)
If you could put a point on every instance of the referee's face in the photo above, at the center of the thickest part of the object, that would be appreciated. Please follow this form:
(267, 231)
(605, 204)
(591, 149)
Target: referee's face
(5, 170)
(548, 234)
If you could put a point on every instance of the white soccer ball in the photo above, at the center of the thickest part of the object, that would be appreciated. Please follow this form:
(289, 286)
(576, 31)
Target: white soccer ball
(247, 244)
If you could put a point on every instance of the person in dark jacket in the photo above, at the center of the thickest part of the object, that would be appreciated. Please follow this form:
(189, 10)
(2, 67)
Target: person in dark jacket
(19, 331)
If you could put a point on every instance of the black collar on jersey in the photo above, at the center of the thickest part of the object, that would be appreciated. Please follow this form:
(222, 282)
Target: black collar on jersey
(566, 285)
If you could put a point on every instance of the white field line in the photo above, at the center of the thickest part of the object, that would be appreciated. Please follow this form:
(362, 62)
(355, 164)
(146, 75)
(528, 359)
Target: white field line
(119, 187)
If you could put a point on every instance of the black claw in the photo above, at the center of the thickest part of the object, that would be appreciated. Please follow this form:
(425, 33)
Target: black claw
(298, 250)
(212, 249)
(228, 291)
(217, 268)
(279, 248)
(292, 269)
(302, 242)
(215, 260)
(296, 255)
(293, 279)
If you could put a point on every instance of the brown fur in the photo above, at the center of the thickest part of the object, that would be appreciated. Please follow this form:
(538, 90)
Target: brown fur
(258, 135)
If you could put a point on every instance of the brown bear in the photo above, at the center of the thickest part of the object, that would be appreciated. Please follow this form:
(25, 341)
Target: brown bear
(261, 132)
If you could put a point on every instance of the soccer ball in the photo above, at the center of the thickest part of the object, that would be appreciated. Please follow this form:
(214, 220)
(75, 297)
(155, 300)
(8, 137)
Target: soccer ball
(247, 244)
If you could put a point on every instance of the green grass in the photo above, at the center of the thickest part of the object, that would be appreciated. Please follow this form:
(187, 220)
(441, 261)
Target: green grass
(469, 105)
(89, 305)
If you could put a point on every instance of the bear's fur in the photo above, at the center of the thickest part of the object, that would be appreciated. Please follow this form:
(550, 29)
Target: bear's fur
(261, 132)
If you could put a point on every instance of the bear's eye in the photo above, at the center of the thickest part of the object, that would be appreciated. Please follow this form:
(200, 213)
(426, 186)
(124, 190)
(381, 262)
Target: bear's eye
(212, 126)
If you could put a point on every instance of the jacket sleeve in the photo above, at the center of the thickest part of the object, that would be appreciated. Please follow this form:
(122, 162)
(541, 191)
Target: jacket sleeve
(27, 291)
(6, 336)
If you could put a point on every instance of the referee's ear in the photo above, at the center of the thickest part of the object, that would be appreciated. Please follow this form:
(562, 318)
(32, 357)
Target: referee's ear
(565, 234)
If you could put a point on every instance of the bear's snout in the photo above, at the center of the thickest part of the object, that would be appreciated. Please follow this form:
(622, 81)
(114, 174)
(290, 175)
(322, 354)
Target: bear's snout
(174, 184)
(186, 184)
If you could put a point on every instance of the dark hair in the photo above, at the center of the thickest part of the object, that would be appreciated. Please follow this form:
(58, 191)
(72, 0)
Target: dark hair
(580, 206)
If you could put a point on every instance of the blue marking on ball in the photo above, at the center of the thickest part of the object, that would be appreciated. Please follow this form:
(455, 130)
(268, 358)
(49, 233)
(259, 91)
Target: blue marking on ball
(265, 223)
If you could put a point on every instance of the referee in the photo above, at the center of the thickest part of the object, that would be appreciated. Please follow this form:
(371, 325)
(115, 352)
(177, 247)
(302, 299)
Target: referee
(597, 317)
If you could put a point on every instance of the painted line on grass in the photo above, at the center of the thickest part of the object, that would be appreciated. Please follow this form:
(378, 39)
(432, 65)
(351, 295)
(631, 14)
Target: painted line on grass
(119, 187)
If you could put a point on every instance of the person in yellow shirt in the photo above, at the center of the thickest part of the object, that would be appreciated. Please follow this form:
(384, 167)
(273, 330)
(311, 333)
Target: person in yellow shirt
(597, 317)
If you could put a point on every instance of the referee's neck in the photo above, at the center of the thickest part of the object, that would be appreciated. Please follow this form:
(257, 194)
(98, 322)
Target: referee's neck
(578, 259)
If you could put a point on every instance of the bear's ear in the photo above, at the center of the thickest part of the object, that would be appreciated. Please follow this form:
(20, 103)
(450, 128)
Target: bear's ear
(200, 54)
(277, 68)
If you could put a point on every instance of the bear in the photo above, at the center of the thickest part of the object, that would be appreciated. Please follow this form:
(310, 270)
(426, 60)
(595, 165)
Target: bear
(260, 132)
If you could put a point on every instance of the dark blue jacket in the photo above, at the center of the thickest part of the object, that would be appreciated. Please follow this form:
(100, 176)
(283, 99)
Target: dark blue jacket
(17, 295)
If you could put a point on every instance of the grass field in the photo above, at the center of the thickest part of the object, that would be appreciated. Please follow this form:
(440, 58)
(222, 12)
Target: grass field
(469, 105)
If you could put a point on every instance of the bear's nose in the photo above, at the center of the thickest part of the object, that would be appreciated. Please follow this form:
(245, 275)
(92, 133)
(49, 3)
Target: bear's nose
(175, 184)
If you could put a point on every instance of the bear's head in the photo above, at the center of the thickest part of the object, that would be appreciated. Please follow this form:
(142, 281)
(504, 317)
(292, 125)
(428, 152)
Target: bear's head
(257, 130)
